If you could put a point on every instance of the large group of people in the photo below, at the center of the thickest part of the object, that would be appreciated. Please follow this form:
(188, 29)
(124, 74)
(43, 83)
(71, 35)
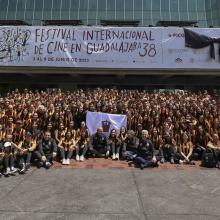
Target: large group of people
(38, 127)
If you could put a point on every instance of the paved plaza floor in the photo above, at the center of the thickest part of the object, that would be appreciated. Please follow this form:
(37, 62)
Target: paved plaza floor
(111, 193)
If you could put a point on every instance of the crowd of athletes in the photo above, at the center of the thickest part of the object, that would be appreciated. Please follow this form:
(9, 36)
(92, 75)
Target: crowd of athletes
(38, 127)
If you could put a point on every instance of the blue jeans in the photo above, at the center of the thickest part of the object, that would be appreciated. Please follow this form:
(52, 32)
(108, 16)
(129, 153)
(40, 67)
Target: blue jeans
(129, 155)
(144, 162)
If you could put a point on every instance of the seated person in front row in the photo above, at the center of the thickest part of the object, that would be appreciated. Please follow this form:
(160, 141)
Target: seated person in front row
(66, 146)
(9, 155)
(145, 152)
(25, 149)
(129, 148)
(98, 144)
(114, 144)
(46, 150)
(82, 145)
(214, 145)
(167, 148)
(185, 150)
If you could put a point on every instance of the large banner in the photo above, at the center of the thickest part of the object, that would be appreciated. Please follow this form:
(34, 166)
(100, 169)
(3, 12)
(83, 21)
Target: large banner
(106, 47)
(106, 121)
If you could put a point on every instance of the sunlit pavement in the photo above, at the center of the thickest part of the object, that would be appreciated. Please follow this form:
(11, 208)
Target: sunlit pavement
(105, 189)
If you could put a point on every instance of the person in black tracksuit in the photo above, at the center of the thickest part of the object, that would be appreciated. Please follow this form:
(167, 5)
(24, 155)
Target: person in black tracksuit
(167, 149)
(130, 144)
(145, 152)
(46, 150)
(98, 144)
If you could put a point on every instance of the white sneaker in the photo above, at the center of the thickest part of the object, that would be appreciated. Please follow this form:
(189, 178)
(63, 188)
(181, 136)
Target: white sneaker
(180, 161)
(117, 156)
(7, 172)
(113, 156)
(107, 153)
(48, 164)
(13, 170)
(67, 161)
(77, 157)
(63, 161)
(82, 158)
(23, 169)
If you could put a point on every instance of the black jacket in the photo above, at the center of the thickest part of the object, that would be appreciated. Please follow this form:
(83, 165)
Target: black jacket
(146, 148)
(131, 144)
(47, 147)
(98, 141)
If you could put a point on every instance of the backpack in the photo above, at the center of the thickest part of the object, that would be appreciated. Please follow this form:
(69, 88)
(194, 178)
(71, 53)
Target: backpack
(208, 159)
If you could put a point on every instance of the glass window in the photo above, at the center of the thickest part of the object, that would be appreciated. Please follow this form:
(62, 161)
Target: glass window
(65, 12)
(156, 17)
(56, 4)
(138, 5)
(21, 5)
(128, 5)
(3, 8)
(65, 5)
(201, 15)
(101, 9)
(111, 5)
(165, 15)
(74, 5)
(120, 9)
(29, 5)
(213, 4)
(215, 14)
(175, 16)
(48, 5)
(147, 11)
(165, 5)
(120, 5)
(83, 5)
(215, 23)
(200, 5)
(92, 5)
(183, 5)
(202, 23)
(39, 5)
(208, 16)
(192, 5)
(102, 5)
(174, 5)
(38, 10)
(128, 9)
(147, 5)
(156, 5)
(12, 5)
(183, 16)
(74, 15)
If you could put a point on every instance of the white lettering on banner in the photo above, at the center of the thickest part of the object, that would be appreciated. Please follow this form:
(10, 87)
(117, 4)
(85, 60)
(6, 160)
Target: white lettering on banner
(101, 47)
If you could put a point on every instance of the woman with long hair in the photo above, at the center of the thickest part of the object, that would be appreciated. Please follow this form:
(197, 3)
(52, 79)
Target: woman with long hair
(66, 146)
(114, 144)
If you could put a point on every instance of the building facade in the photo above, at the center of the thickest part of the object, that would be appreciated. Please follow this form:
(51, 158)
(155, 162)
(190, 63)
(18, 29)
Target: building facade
(91, 12)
